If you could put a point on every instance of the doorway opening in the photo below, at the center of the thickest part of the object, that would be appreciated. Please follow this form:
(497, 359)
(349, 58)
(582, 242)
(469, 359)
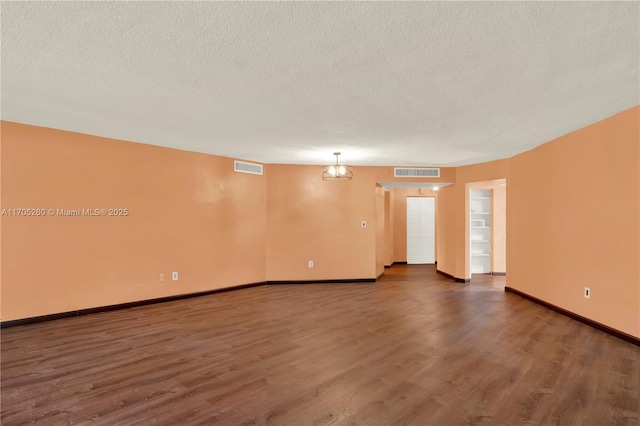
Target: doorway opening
(486, 227)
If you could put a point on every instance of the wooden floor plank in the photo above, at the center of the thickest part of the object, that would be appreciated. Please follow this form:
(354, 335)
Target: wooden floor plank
(414, 348)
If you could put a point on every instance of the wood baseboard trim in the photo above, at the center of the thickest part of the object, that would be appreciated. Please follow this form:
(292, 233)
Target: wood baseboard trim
(499, 274)
(79, 312)
(349, 281)
(604, 328)
(458, 280)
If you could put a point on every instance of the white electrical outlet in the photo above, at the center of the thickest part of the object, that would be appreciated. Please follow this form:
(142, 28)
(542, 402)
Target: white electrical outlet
(363, 224)
(311, 264)
(161, 277)
(174, 276)
(587, 293)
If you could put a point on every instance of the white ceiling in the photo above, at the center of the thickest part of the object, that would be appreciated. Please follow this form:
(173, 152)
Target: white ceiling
(430, 83)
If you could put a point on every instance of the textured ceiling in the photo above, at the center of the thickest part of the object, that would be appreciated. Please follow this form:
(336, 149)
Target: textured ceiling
(278, 82)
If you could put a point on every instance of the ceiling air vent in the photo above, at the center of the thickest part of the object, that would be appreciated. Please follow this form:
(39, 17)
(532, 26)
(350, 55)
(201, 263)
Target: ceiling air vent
(410, 172)
(244, 167)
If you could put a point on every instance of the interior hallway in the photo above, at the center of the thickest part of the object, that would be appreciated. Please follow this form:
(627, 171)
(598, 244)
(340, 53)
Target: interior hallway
(413, 348)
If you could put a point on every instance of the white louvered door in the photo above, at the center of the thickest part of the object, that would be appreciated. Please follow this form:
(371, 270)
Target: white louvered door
(421, 230)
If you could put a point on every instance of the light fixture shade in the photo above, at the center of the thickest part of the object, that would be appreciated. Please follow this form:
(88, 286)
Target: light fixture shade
(337, 171)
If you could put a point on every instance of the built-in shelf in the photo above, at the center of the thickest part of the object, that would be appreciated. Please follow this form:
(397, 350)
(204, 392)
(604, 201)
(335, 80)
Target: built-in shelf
(480, 212)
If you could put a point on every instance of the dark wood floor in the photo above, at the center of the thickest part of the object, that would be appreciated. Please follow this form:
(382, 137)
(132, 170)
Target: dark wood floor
(414, 348)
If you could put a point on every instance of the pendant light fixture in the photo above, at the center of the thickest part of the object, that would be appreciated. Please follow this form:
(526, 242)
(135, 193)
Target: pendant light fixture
(337, 171)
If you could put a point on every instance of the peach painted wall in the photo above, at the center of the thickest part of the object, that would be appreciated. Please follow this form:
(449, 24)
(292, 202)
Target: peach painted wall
(446, 229)
(453, 214)
(188, 212)
(399, 225)
(380, 230)
(1, 207)
(312, 219)
(499, 229)
(574, 221)
(388, 235)
(400, 219)
(191, 213)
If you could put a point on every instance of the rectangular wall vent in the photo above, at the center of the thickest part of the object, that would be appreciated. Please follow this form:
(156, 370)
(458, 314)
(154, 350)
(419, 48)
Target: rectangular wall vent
(244, 167)
(429, 172)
